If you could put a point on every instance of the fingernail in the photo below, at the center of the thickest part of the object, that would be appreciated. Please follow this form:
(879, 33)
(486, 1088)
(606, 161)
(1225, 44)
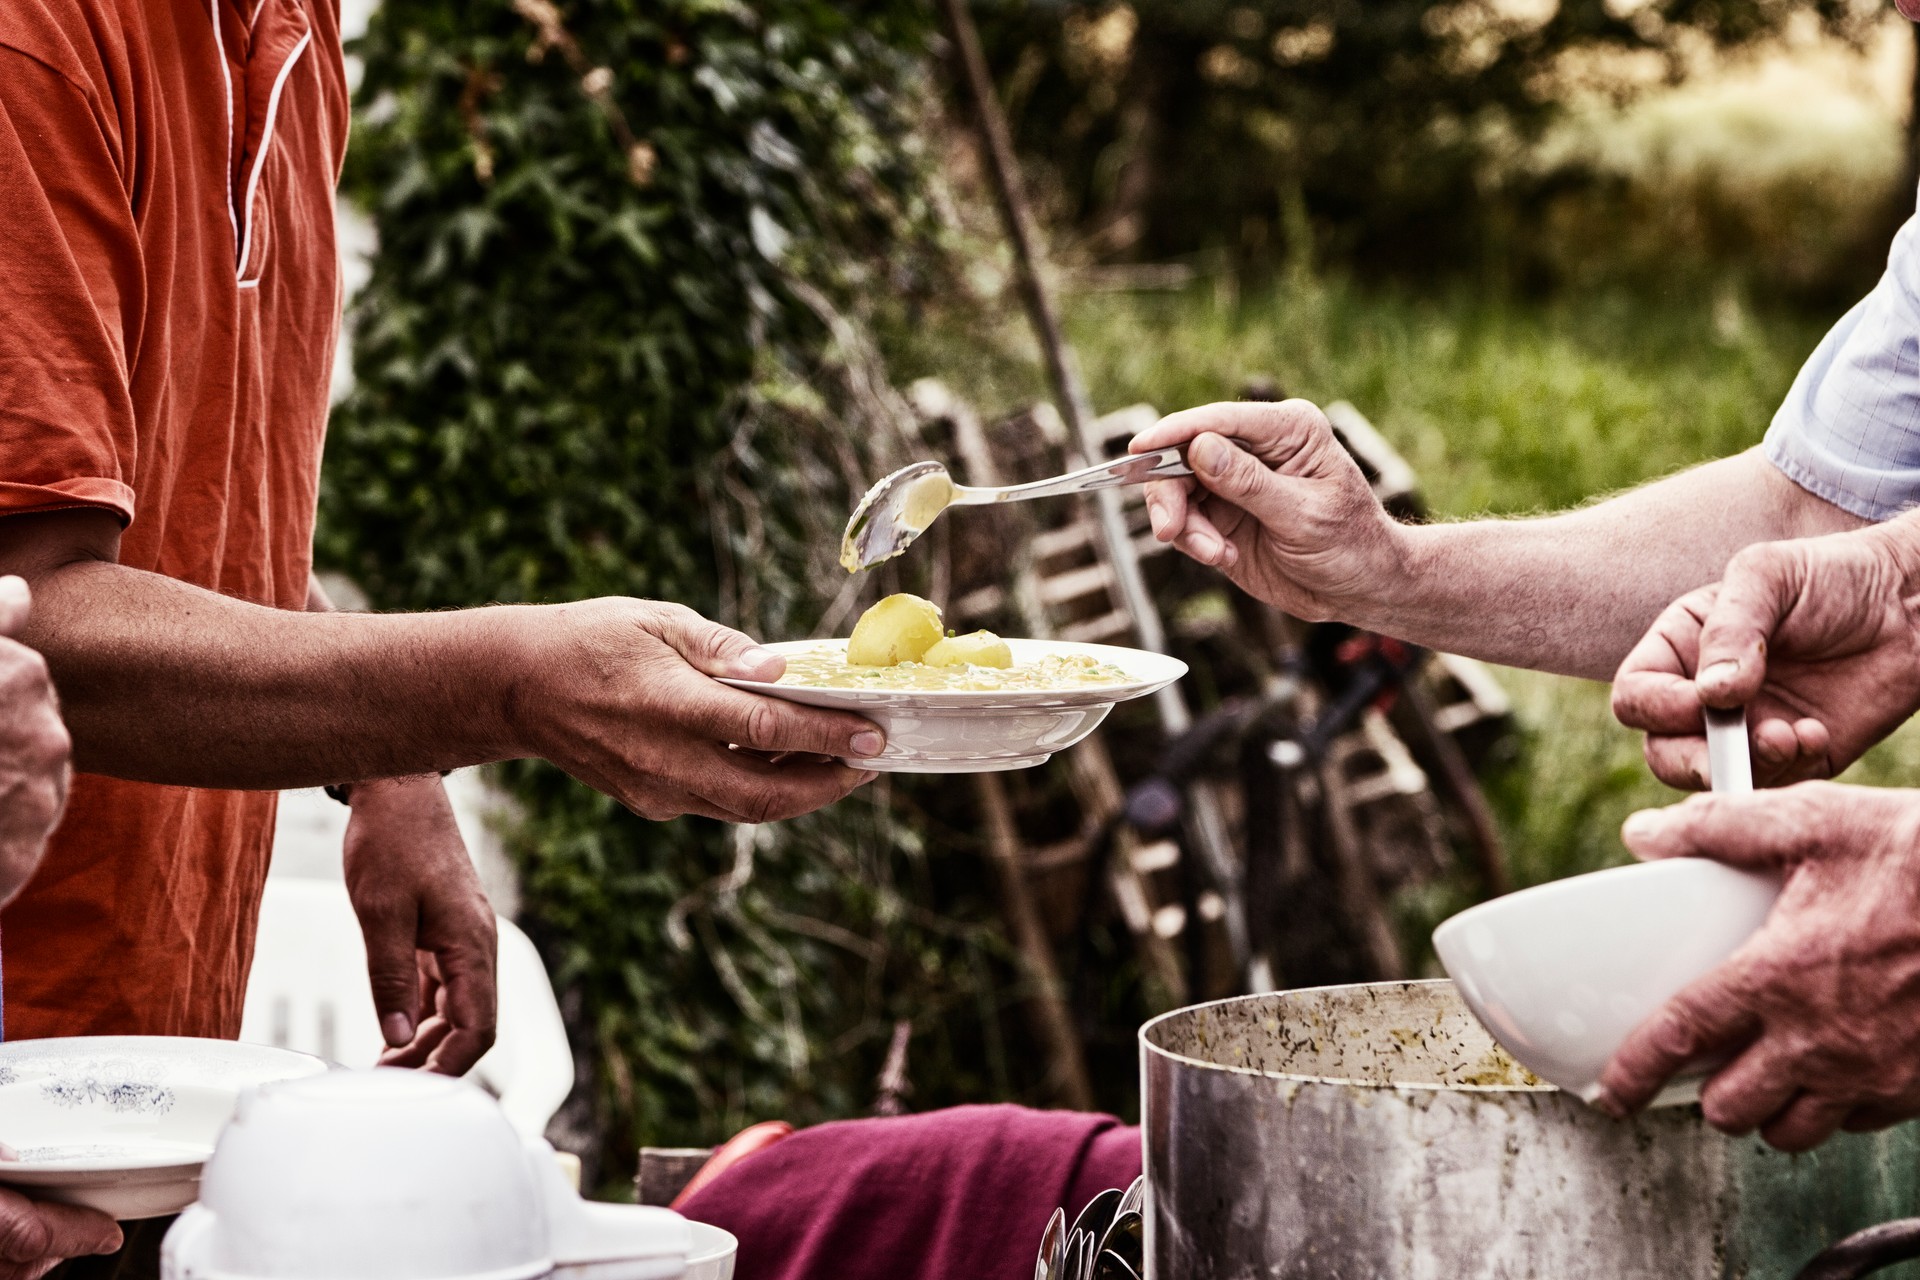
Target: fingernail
(1643, 825)
(868, 743)
(1208, 454)
(1206, 547)
(1721, 672)
(397, 1028)
(867, 777)
(1156, 518)
(754, 661)
(1600, 1099)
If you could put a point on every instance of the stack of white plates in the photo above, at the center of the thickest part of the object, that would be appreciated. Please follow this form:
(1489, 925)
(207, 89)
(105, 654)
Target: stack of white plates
(123, 1124)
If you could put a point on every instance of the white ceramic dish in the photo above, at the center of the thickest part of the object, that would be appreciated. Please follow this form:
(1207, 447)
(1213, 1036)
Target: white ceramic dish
(1563, 972)
(400, 1175)
(978, 730)
(123, 1124)
(712, 1255)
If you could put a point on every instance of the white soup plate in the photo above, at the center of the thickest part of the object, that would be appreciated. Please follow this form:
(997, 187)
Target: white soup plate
(980, 730)
(123, 1124)
(1562, 973)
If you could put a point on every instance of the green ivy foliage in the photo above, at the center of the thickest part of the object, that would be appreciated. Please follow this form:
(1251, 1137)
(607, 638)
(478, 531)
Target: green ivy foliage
(605, 350)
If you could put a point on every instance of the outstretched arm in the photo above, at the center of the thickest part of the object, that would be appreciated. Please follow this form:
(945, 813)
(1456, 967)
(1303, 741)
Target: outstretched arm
(165, 682)
(1278, 505)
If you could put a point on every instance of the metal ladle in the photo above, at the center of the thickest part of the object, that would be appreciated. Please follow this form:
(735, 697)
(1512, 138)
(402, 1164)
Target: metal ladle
(900, 507)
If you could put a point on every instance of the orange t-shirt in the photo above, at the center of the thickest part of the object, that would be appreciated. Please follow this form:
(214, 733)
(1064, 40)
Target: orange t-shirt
(169, 301)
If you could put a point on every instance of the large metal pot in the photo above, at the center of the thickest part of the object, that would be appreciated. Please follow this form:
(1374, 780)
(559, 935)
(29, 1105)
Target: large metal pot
(1377, 1133)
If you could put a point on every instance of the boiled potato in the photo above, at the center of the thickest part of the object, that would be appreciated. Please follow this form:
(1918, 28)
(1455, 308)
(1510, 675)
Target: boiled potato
(981, 649)
(927, 497)
(899, 629)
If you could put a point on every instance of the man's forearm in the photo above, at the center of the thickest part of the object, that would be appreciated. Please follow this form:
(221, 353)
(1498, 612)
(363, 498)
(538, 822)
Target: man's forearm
(165, 682)
(1572, 593)
(369, 789)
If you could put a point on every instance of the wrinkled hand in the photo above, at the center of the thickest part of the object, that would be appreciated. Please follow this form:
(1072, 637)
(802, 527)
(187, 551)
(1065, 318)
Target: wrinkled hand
(1818, 638)
(622, 696)
(430, 934)
(1277, 504)
(1820, 1010)
(33, 747)
(37, 1235)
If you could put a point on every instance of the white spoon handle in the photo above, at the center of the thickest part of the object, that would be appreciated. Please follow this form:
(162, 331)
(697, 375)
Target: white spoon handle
(1729, 766)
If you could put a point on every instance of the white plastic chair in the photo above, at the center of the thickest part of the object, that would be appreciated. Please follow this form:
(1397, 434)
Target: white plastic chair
(308, 991)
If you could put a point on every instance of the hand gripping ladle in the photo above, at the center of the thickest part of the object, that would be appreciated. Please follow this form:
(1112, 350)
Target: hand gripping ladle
(1729, 763)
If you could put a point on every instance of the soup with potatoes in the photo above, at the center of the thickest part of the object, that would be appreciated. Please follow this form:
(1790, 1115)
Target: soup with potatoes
(901, 643)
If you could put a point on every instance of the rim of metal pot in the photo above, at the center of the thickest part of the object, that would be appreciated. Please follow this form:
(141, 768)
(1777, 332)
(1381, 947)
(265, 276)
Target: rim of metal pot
(1296, 1077)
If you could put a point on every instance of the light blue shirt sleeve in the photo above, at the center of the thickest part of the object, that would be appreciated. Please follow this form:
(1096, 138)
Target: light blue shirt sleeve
(1849, 431)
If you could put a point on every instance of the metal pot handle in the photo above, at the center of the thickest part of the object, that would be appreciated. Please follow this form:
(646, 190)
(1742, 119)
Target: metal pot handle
(1865, 1252)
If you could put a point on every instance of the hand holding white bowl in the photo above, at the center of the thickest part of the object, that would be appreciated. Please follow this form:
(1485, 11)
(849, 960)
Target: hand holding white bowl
(1563, 972)
(1820, 1010)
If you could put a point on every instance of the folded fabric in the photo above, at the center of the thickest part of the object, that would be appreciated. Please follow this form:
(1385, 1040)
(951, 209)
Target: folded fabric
(951, 1195)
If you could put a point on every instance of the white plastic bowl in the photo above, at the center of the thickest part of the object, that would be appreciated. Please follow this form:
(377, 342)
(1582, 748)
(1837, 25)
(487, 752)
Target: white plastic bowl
(712, 1254)
(123, 1124)
(385, 1175)
(982, 731)
(1562, 973)
(400, 1175)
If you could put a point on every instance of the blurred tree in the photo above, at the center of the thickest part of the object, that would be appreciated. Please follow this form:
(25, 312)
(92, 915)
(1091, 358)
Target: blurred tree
(1371, 130)
(604, 350)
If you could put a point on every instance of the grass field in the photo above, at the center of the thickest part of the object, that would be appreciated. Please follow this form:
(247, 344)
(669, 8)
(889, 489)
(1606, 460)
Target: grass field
(1502, 408)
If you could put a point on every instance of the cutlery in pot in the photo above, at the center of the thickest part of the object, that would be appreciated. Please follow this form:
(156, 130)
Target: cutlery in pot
(1122, 1249)
(1053, 1242)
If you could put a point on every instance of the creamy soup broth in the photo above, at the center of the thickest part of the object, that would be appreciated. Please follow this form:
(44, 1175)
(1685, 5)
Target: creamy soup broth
(827, 668)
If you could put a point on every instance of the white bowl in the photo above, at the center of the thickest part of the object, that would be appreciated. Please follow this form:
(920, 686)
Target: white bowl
(712, 1254)
(977, 730)
(123, 1124)
(1562, 973)
(338, 1177)
(401, 1175)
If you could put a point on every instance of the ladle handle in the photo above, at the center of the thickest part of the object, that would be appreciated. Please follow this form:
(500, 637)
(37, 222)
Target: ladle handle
(1729, 765)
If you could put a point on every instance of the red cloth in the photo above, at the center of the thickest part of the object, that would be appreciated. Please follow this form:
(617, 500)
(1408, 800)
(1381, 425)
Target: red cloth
(952, 1195)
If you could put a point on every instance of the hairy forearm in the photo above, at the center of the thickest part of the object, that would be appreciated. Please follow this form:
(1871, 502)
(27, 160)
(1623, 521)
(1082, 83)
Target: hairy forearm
(1572, 593)
(165, 682)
